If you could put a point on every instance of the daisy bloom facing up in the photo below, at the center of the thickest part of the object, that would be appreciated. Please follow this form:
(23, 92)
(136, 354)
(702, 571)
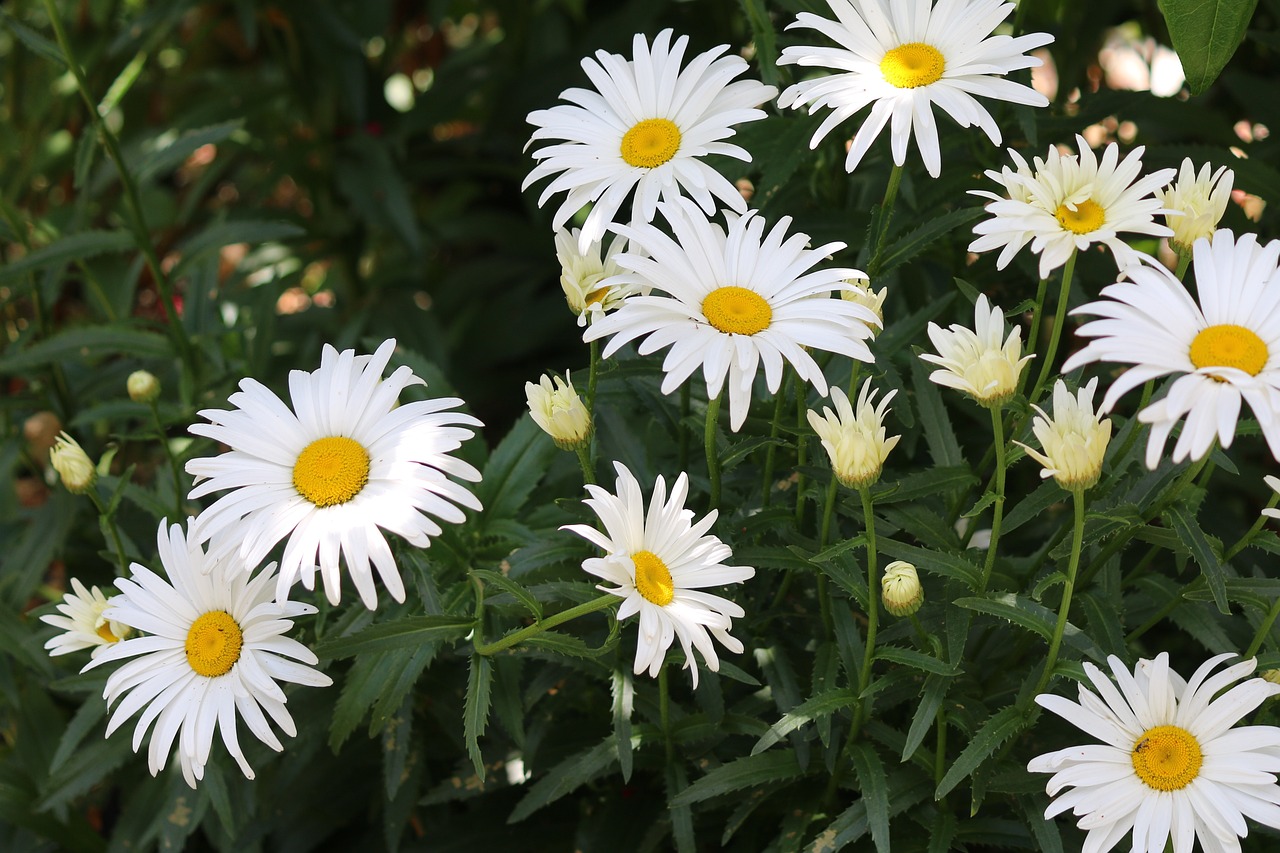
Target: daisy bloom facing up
(732, 301)
(645, 127)
(214, 648)
(981, 362)
(1067, 203)
(855, 439)
(1170, 768)
(332, 472)
(904, 57)
(1074, 439)
(82, 622)
(1226, 346)
(1201, 198)
(661, 562)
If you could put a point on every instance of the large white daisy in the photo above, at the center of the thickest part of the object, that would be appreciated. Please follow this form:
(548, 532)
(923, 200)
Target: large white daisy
(213, 649)
(1170, 766)
(902, 58)
(733, 300)
(1226, 345)
(333, 472)
(645, 126)
(1068, 202)
(661, 562)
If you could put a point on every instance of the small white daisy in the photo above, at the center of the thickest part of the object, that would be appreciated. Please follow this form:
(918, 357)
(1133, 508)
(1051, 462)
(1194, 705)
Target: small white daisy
(981, 362)
(1171, 768)
(82, 623)
(903, 58)
(732, 301)
(214, 648)
(582, 271)
(1068, 203)
(1201, 199)
(1074, 439)
(333, 472)
(645, 127)
(660, 562)
(855, 438)
(1226, 346)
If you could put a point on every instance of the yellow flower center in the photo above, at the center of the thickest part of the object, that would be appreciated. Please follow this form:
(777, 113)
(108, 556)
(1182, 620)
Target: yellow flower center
(650, 143)
(1086, 218)
(213, 644)
(331, 471)
(1230, 346)
(1167, 758)
(737, 311)
(596, 297)
(105, 632)
(653, 579)
(911, 65)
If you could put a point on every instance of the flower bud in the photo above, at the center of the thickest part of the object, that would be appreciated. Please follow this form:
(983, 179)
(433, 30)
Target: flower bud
(559, 411)
(1201, 199)
(900, 589)
(72, 464)
(976, 361)
(143, 386)
(863, 295)
(854, 438)
(1074, 439)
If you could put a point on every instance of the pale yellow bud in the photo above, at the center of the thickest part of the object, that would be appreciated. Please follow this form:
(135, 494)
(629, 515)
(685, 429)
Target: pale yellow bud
(1074, 440)
(900, 589)
(1201, 199)
(855, 439)
(980, 362)
(559, 411)
(72, 464)
(863, 295)
(143, 386)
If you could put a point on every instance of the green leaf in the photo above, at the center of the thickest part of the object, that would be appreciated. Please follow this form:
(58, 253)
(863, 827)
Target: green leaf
(254, 231)
(935, 690)
(938, 433)
(168, 153)
(742, 773)
(88, 342)
(681, 815)
(569, 775)
(995, 731)
(33, 40)
(822, 705)
(875, 791)
(1190, 533)
(1205, 34)
(909, 245)
(406, 631)
(764, 39)
(923, 484)
(516, 466)
(905, 790)
(507, 585)
(1033, 505)
(913, 658)
(72, 247)
(567, 644)
(476, 713)
(935, 562)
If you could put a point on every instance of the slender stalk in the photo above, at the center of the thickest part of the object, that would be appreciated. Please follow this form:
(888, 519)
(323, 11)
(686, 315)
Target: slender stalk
(592, 375)
(516, 637)
(713, 458)
(886, 214)
(1037, 316)
(853, 379)
(770, 454)
(583, 452)
(682, 434)
(1264, 629)
(802, 449)
(824, 595)
(173, 460)
(1077, 545)
(1184, 261)
(664, 710)
(1253, 531)
(828, 511)
(1059, 320)
(997, 427)
(108, 521)
(873, 599)
(940, 756)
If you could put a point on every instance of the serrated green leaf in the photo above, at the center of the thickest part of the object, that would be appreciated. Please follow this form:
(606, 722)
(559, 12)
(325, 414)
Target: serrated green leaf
(219, 234)
(875, 791)
(935, 690)
(742, 773)
(822, 705)
(567, 776)
(681, 814)
(1205, 35)
(998, 728)
(913, 658)
(72, 247)
(923, 484)
(518, 592)
(905, 790)
(938, 434)
(935, 562)
(475, 716)
(1211, 567)
(168, 153)
(514, 468)
(88, 342)
(395, 634)
(914, 242)
(1033, 506)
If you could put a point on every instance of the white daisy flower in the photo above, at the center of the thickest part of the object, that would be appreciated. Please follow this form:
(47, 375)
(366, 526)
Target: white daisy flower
(645, 127)
(904, 57)
(333, 472)
(582, 271)
(855, 438)
(1074, 439)
(732, 301)
(1201, 199)
(82, 623)
(1226, 345)
(661, 562)
(214, 649)
(1171, 767)
(1068, 202)
(981, 362)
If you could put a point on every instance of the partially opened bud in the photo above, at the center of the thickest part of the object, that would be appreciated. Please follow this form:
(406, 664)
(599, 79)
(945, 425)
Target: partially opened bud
(143, 386)
(863, 295)
(72, 464)
(1202, 200)
(900, 589)
(559, 411)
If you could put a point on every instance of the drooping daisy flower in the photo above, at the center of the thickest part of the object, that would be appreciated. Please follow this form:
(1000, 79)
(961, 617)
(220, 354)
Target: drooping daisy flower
(902, 58)
(1171, 767)
(855, 439)
(582, 271)
(661, 562)
(1201, 199)
(981, 362)
(332, 473)
(214, 649)
(1074, 439)
(645, 128)
(1227, 346)
(1068, 203)
(82, 622)
(732, 301)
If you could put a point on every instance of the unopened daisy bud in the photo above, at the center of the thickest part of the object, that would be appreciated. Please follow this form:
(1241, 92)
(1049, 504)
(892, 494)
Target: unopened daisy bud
(143, 386)
(855, 440)
(582, 274)
(1074, 439)
(559, 411)
(981, 362)
(72, 464)
(900, 589)
(863, 295)
(82, 623)
(1201, 199)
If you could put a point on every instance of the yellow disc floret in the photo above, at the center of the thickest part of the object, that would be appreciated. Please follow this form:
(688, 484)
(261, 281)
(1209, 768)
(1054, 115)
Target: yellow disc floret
(213, 644)
(653, 579)
(737, 311)
(1085, 219)
(911, 65)
(331, 471)
(1227, 345)
(1167, 758)
(650, 143)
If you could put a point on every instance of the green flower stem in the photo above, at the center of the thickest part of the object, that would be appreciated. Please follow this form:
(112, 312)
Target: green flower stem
(682, 434)
(664, 710)
(997, 427)
(1253, 531)
(1033, 334)
(828, 511)
(802, 450)
(109, 522)
(516, 637)
(1263, 630)
(824, 595)
(173, 460)
(940, 756)
(873, 599)
(770, 454)
(853, 379)
(886, 214)
(713, 458)
(1077, 545)
(1059, 320)
(1184, 261)
(593, 373)
(583, 452)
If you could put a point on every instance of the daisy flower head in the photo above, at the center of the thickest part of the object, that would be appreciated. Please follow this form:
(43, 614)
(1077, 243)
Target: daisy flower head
(903, 57)
(331, 473)
(864, 294)
(1074, 439)
(82, 623)
(981, 362)
(1068, 202)
(559, 411)
(73, 465)
(855, 438)
(582, 271)
(1170, 767)
(661, 561)
(645, 127)
(1201, 199)
(729, 301)
(214, 648)
(1225, 346)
